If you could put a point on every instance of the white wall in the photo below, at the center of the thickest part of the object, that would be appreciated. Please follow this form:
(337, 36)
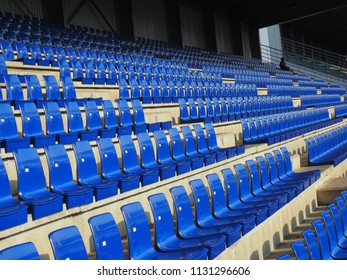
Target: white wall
(270, 38)
(149, 19)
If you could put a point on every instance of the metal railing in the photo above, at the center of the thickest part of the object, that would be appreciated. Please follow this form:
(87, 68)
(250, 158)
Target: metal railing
(300, 65)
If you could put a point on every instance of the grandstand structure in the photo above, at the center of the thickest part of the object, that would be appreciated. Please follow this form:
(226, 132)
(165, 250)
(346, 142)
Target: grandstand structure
(119, 147)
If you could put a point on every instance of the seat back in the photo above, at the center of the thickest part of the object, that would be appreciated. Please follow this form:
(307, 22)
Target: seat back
(108, 158)
(24, 251)
(201, 139)
(22, 51)
(337, 220)
(343, 210)
(129, 154)
(31, 122)
(176, 144)
(60, 172)
(93, 120)
(139, 116)
(230, 184)
(69, 91)
(52, 88)
(7, 50)
(322, 239)
(312, 245)
(85, 160)
(74, 117)
(33, 87)
(28, 165)
(110, 118)
(146, 150)
(14, 89)
(330, 228)
(67, 244)
(211, 137)
(35, 52)
(125, 119)
(8, 126)
(299, 250)
(107, 240)
(54, 119)
(162, 146)
(219, 200)
(189, 142)
(201, 199)
(136, 223)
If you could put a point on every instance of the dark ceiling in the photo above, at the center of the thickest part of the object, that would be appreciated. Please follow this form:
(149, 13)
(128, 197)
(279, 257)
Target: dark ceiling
(322, 22)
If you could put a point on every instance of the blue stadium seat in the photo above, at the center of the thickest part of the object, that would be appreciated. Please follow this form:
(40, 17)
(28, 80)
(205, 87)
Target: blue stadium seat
(221, 154)
(107, 240)
(183, 162)
(323, 239)
(93, 120)
(23, 251)
(110, 128)
(312, 245)
(300, 250)
(87, 173)
(210, 156)
(9, 136)
(7, 50)
(185, 222)
(166, 238)
(69, 92)
(41, 202)
(61, 178)
(49, 55)
(37, 55)
(110, 168)
(125, 119)
(190, 148)
(32, 128)
(14, 91)
(22, 53)
(338, 223)
(64, 68)
(52, 90)
(89, 74)
(34, 90)
(3, 69)
(12, 211)
(139, 238)
(67, 244)
(140, 124)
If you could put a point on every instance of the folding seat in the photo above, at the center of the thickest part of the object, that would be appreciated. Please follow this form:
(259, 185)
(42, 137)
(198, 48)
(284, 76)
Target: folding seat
(60, 53)
(3, 69)
(37, 55)
(100, 78)
(7, 50)
(49, 55)
(210, 156)
(217, 111)
(147, 157)
(23, 251)
(89, 73)
(186, 223)
(210, 111)
(123, 90)
(184, 113)
(183, 162)
(12, 211)
(93, 120)
(69, 92)
(156, 96)
(125, 119)
(77, 70)
(34, 90)
(9, 137)
(32, 127)
(111, 74)
(190, 148)
(110, 128)
(53, 91)
(41, 202)
(221, 153)
(61, 178)
(14, 91)
(130, 161)
(75, 123)
(87, 172)
(220, 215)
(106, 237)
(166, 238)
(225, 110)
(140, 124)
(139, 238)
(110, 167)
(22, 54)
(336, 215)
(67, 244)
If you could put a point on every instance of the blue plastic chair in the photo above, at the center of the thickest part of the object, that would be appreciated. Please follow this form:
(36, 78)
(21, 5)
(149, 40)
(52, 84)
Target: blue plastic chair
(337, 219)
(41, 201)
(188, 227)
(52, 90)
(69, 91)
(37, 55)
(110, 128)
(12, 211)
(221, 154)
(140, 124)
(139, 238)
(67, 244)
(93, 120)
(183, 162)
(9, 136)
(23, 251)
(312, 244)
(14, 91)
(107, 240)
(210, 156)
(87, 173)
(125, 119)
(299, 250)
(190, 145)
(284, 257)
(32, 127)
(166, 238)
(110, 168)
(34, 90)
(7, 50)
(61, 179)
(323, 239)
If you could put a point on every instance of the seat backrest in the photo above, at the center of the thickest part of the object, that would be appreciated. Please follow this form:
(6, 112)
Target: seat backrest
(64, 68)
(60, 172)
(146, 150)
(77, 70)
(31, 122)
(107, 240)
(8, 126)
(129, 154)
(69, 91)
(22, 51)
(136, 223)
(337, 220)
(162, 146)
(108, 158)
(139, 116)
(312, 245)
(184, 115)
(330, 227)
(52, 88)
(85, 160)
(74, 117)
(35, 51)
(189, 141)
(322, 239)
(7, 50)
(6, 198)
(231, 187)
(29, 166)
(54, 119)
(33, 87)
(201, 139)
(93, 120)
(67, 244)
(110, 118)
(299, 250)
(201, 199)
(219, 200)
(211, 137)
(24, 251)
(176, 144)
(343, 210)
(125, 119)
(14, 89)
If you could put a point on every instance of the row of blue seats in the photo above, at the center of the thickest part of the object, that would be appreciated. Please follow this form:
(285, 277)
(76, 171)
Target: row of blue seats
(333, 90)
(328, 147)
(231, 108)
(262, 82)
(340, 110)
(170, 157)
(316, 84)
(327, 239)
(236, 208)
(294, 91)
(128, 122)
(319, 100)
(279, 127)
